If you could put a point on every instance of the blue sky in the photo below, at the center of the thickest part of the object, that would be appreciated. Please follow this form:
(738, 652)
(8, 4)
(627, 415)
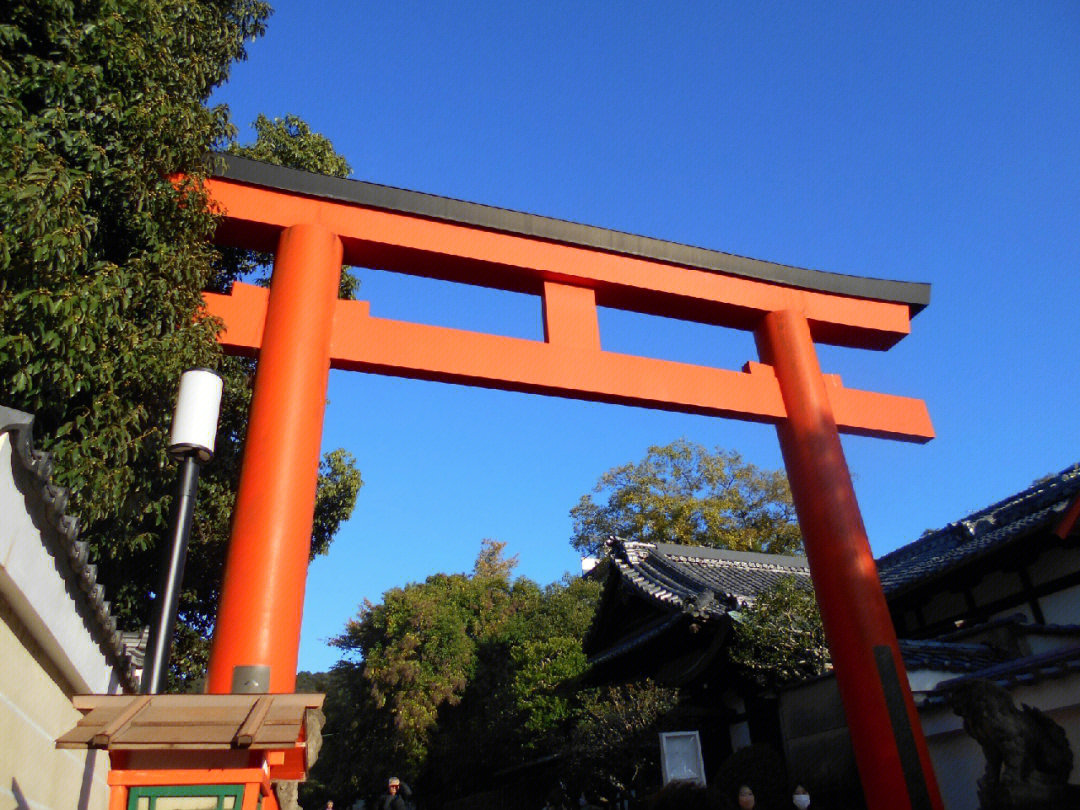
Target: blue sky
(934, 142)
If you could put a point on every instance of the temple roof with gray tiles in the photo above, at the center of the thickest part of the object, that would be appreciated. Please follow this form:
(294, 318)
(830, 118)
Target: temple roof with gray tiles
(678, 576)
(702, 581)
(1040, 506)
(1025, 671)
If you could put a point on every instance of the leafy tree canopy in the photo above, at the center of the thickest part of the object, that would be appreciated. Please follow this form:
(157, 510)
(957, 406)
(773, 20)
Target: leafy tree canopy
(480, 657)
(612, 747)
(780, 639)
(102, 260)
(419, 645)
(286, 141)
(289, 141)
(684, 493)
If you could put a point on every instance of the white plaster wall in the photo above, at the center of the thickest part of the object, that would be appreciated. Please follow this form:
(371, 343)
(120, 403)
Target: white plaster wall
(958, 759)
(1062, 607)
(1023, 608)
(1041, 643)
(924, 680)
(39, 596)
(47, 654)
(958, 764)
(34, 711)
(1059, 698)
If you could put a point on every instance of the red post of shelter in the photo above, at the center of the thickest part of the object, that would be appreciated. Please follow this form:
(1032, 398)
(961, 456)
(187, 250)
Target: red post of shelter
(892, 756)
(262, 598)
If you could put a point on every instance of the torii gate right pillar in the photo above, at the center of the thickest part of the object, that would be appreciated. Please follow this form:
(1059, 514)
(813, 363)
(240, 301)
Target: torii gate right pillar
(896, 772)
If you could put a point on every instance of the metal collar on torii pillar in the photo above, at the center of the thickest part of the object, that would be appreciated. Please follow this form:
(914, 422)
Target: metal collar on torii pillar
(299, 329)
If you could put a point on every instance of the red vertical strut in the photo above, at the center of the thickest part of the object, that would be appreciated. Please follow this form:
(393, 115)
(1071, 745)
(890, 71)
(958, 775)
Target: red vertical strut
(890, 750)
(262, 599)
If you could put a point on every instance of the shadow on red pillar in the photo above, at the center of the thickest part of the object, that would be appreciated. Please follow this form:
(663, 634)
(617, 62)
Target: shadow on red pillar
(890, 750)
(257, 635)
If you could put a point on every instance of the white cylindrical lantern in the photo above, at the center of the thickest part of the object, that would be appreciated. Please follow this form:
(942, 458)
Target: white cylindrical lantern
(195, 420)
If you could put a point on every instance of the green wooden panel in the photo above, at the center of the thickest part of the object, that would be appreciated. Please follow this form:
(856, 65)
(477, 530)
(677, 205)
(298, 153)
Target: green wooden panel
(186, 797)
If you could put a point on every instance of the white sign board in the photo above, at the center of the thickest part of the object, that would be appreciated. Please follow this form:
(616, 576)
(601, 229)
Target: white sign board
(680, 757)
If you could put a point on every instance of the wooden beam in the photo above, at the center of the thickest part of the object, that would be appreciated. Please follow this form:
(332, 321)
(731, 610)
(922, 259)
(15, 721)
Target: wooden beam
(253, 722)
(104, 737)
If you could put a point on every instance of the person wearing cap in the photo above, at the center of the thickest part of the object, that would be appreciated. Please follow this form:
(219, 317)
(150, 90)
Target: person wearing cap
(396, 794)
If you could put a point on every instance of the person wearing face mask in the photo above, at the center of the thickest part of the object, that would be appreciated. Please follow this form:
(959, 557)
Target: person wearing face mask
(800, 797)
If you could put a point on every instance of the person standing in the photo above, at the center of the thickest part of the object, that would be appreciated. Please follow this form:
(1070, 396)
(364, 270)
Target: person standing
(396, 794)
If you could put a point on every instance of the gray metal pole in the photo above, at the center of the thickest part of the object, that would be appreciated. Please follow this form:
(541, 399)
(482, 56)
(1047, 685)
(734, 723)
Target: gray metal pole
(166, 606)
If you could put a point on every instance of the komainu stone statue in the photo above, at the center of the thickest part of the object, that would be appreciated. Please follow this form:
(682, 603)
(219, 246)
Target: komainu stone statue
(1028, 758)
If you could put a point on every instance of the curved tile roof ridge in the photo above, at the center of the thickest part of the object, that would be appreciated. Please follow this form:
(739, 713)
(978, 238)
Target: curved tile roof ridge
(630, 557)
(639, 583)
(685, 576)
(19, 426)
(948, 656)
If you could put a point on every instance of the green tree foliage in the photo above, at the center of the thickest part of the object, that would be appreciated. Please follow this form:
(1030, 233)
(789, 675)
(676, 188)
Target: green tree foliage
(683, 493)
(479, 658)
(353, 761)
(613, 745)
(289, 141)
(419, 646)
(102, 260)
(286, 141)
(465, 675)
(779, 639)
(522, 696)
(339, 484)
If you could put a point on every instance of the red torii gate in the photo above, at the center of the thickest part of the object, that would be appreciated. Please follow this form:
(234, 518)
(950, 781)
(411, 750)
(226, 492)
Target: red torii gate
(299, 330)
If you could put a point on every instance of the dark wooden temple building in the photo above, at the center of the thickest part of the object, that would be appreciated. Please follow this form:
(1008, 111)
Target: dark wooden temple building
(994, 595)
(665, 614)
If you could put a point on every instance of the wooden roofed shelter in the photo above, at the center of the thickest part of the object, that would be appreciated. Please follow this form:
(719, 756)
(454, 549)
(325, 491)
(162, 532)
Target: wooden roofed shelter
(229, 750)
(299, 329)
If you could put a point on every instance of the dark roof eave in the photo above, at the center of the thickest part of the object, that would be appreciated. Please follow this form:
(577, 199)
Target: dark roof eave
(653, 630)
(243, 170)
(1009, 541)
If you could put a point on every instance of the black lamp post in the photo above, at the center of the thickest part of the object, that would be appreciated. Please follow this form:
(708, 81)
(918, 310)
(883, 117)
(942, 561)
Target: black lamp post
(192, 443)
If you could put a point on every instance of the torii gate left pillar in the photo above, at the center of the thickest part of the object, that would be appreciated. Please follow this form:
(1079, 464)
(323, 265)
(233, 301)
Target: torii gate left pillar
(299, 330)
(262, 599)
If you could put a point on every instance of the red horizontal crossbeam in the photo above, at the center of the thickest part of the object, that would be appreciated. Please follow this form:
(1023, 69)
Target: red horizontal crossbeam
(451, 251)
(571, 368)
